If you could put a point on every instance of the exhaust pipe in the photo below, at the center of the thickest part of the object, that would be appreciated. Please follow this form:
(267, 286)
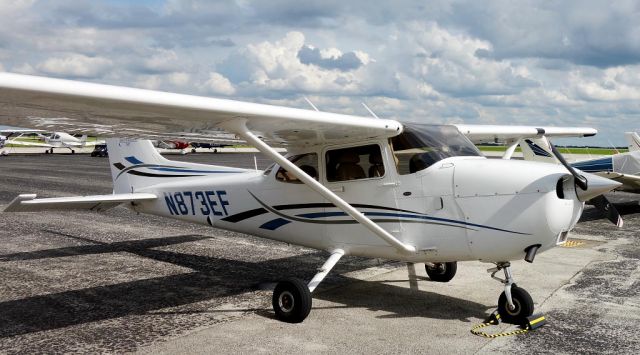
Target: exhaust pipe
(531, 251)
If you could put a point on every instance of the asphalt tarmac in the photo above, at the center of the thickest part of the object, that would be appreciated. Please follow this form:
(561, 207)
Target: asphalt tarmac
(118, 282)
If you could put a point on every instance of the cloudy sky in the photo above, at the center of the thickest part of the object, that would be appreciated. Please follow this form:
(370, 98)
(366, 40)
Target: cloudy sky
(573, 63)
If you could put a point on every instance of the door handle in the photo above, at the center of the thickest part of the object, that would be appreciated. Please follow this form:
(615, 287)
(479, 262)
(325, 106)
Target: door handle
(337, 189)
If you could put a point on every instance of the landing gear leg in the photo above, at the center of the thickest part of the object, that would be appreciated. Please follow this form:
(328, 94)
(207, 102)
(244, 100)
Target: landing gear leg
(292, 298)
(514, 304)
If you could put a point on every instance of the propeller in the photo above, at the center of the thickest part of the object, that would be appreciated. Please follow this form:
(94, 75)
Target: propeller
(596, 195)
(605, 206)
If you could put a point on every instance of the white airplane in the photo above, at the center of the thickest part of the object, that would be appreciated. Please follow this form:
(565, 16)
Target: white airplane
(54, 140)
(9, 135)
(348, 185)
(65, 140)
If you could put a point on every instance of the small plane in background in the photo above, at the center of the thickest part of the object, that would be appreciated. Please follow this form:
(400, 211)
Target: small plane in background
(9, 135)
(65, 140)
(348, 185)
(621, 167)
(210, 146)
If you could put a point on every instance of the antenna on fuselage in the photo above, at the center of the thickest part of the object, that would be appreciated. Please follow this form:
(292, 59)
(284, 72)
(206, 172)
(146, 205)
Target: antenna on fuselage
(311, 104)
(370, 111)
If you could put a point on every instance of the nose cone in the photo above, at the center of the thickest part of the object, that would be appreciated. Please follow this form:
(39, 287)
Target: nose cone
(596, 186)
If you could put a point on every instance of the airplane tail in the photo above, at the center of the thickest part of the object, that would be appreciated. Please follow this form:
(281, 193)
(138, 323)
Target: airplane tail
(634, 141)
(136, 164)
(538, 149)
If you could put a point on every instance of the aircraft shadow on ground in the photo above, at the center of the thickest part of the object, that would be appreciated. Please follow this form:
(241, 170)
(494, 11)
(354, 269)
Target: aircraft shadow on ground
(212, 277)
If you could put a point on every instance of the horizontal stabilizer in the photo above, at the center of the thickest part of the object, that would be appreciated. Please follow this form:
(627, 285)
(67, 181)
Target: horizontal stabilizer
(29, 202)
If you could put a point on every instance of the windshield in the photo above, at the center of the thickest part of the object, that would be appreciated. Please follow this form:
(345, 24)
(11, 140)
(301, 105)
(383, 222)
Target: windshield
(421, 145)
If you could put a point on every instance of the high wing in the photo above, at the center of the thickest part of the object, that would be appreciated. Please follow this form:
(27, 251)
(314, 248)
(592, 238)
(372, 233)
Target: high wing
(119, 111)
(27, 144)
(29, 202)
(501, 134)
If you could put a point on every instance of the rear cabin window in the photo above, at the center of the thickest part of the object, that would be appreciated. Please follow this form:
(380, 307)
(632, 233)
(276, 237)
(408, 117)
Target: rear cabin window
(354, 163)
(307, 162)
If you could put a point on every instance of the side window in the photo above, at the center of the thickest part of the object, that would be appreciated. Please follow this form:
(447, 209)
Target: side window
(307, 162)
(354, 163)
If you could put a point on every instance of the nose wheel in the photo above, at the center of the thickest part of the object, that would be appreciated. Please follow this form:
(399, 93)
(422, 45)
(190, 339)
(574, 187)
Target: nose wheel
(515, 303)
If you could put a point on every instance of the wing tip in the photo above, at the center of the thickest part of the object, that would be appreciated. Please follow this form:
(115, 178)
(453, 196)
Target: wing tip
(16, 204)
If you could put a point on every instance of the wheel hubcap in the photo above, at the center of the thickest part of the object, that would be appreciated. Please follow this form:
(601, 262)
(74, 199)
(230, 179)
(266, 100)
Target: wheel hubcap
(516, 308)
(285, 301)
(439, 268)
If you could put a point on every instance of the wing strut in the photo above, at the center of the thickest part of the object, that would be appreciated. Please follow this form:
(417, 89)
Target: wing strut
(239, 127)
(512, 148)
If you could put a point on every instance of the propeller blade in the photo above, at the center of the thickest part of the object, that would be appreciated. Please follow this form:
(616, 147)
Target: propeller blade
(580, 180)
(609, 210)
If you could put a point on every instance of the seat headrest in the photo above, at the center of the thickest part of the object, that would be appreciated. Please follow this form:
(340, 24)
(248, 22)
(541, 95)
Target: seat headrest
(375, 158)
(349, 157)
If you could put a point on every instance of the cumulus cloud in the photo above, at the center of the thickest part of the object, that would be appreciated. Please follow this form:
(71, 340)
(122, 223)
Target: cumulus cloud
(279, 66)
(75, 65)
(526, 62)
(615, 84)
(329, 59)
(449, 63)
(218, 84)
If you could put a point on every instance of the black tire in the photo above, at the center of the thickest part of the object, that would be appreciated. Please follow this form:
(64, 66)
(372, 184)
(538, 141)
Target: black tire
(442, 272)
(521, 300)
(73, 151)
(291, 301)
(193, 150)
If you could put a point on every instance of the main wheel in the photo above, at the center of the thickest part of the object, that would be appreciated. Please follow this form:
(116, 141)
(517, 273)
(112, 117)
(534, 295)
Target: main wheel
(291, 301)
(523, 306)
(73, 151)
(442, 272)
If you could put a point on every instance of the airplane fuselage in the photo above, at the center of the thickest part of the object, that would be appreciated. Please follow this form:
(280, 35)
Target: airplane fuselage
(447, 211)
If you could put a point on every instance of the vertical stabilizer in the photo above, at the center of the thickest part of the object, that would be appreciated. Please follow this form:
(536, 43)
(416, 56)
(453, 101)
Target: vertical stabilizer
(537, 149)
(634, 141)
(136, 164)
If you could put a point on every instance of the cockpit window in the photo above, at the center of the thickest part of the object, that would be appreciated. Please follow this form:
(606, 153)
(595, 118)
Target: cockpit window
(420, 145)
(307, 162)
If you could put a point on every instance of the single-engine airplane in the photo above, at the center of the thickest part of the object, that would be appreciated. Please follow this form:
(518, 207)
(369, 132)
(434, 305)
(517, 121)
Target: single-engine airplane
(9, 135)
(349, 185)
(65, 140)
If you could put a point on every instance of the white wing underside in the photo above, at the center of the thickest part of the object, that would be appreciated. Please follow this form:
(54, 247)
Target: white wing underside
(508, 134)
(120, 112)
(113, 111)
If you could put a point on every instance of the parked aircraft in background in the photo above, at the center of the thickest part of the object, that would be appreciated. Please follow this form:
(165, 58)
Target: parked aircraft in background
(65, 140)
(9, 135)
(622, 167)
(634, 140)
(348, 185)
